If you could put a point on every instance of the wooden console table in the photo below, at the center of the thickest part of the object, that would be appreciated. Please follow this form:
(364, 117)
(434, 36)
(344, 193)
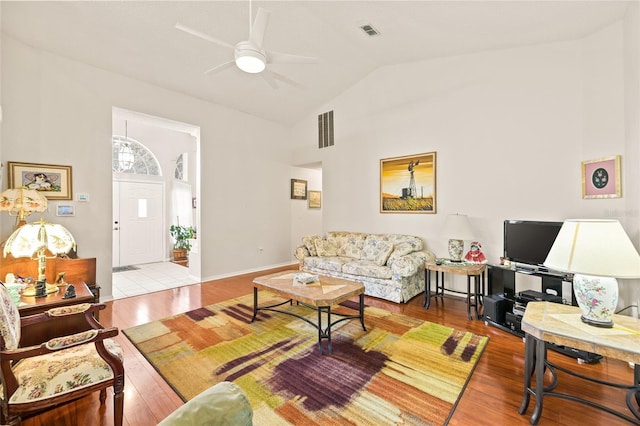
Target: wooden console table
(471, 270)
(77, 270)
(546, 322)
(41, 332)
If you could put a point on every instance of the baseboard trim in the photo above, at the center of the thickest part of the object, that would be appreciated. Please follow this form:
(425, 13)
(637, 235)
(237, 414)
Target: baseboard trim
(247, 271)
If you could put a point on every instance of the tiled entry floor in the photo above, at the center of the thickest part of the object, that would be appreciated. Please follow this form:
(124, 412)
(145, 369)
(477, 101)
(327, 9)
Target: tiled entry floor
(150, 277)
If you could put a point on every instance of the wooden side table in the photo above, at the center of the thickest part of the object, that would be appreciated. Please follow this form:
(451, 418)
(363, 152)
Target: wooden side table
(39, 333)
(546, 322)
(471, 270)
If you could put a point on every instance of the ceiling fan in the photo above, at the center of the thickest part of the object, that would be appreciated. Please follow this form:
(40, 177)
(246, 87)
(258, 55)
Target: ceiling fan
(250, 55)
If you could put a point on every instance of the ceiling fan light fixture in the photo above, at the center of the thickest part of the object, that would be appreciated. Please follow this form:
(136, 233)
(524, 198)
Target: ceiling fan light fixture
(250, 61)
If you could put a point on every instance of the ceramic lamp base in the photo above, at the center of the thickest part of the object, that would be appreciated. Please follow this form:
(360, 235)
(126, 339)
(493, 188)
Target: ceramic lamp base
(456, 247)
(597, 298)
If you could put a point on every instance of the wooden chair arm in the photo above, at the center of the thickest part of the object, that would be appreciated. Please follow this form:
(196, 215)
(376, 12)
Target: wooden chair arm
(54, 345)
(86, 309)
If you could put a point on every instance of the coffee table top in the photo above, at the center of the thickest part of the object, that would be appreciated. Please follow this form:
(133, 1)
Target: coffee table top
(326, 292)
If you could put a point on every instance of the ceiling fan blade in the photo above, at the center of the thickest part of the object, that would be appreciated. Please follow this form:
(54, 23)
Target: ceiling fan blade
(220, 67)
(203, 36)
(259, 27)
(287, 58)
(285, 79)
(266, 76)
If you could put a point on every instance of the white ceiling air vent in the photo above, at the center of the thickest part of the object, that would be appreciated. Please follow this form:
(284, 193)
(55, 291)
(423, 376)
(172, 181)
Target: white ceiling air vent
(369, 30)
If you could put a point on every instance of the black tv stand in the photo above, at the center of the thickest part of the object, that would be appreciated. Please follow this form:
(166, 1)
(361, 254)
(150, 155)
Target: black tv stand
(502, 290)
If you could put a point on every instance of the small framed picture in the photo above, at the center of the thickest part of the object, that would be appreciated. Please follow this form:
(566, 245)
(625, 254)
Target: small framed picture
(298, 189)
(315, 199)
(601, 178)
(52, 180)
(65, 210)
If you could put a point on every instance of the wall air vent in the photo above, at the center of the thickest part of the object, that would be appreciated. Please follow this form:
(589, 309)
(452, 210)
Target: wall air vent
(325, 130)
(369, 30)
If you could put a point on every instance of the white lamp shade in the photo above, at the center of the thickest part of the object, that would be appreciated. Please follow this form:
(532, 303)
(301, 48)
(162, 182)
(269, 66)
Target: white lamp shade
(594, 247)
(22, 200)
(28, 239)
(458, 227)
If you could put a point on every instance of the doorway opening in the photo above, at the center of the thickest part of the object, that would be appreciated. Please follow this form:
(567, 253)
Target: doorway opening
(156, 180)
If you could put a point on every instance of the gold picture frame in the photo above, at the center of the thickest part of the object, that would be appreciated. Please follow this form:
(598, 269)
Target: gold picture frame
(52, 180)
(601, 178)
(315, 199)
(298, 189)
(408, 184)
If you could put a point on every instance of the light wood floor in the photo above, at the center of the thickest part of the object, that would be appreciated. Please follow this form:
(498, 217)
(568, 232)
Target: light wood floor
(492, 396)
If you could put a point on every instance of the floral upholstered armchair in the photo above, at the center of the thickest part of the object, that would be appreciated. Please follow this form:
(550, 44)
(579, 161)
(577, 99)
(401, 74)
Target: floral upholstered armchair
(60, 370)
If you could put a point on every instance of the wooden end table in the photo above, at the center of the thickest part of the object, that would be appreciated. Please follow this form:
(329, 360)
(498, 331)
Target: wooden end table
(546, 322)
(41, 332)
(471, 270)
(320, 295)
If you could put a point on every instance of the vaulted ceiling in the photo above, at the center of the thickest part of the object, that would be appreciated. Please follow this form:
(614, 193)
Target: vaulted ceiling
(139, 39)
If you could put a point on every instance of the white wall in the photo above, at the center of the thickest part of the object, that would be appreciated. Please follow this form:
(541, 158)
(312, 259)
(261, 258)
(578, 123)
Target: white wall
(630, 289)
(510, 129)
(59, 111)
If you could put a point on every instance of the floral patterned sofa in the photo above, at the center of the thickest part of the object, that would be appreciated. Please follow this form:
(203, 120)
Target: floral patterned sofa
(391, 266)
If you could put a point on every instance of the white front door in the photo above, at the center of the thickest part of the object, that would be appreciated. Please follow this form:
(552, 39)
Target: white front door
(140, 223)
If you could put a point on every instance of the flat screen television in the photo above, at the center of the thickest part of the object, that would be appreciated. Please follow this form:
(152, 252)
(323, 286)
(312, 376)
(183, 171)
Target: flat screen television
(528, 241)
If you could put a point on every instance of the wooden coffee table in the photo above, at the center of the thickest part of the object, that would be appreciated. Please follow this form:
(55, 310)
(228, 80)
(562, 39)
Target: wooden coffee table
(320, 295)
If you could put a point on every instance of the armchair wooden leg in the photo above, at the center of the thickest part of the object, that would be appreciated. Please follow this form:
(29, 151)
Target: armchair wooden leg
(103, 396)
(118, 405)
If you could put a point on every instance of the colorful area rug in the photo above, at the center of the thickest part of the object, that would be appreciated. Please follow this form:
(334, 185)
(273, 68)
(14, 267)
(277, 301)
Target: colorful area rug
(401, 371)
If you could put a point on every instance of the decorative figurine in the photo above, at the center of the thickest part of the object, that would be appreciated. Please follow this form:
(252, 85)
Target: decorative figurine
(474, 254)
(41, 288)
(60, 279)
(70, 293)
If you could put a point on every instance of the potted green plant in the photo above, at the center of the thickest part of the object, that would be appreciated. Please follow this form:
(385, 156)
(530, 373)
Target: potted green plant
(181, 235)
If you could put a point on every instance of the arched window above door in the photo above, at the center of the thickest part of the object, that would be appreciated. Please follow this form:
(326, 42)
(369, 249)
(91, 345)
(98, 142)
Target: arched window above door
(130, 156)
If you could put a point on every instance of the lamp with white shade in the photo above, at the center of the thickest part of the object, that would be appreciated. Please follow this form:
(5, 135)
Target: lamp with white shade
(458, 228)
(39, 240)
(596, 252)
(21, 202)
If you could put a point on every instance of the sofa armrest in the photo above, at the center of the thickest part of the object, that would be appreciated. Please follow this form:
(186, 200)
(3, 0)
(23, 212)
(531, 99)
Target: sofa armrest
(409, 264)
(300, 253)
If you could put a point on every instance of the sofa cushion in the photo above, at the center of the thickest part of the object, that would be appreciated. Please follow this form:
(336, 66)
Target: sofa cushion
(352, 247)
(398, 239)
(310, 243)
(377, 250)
(400, 250)
(333, 264)
(326, 248)
(367, 268)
